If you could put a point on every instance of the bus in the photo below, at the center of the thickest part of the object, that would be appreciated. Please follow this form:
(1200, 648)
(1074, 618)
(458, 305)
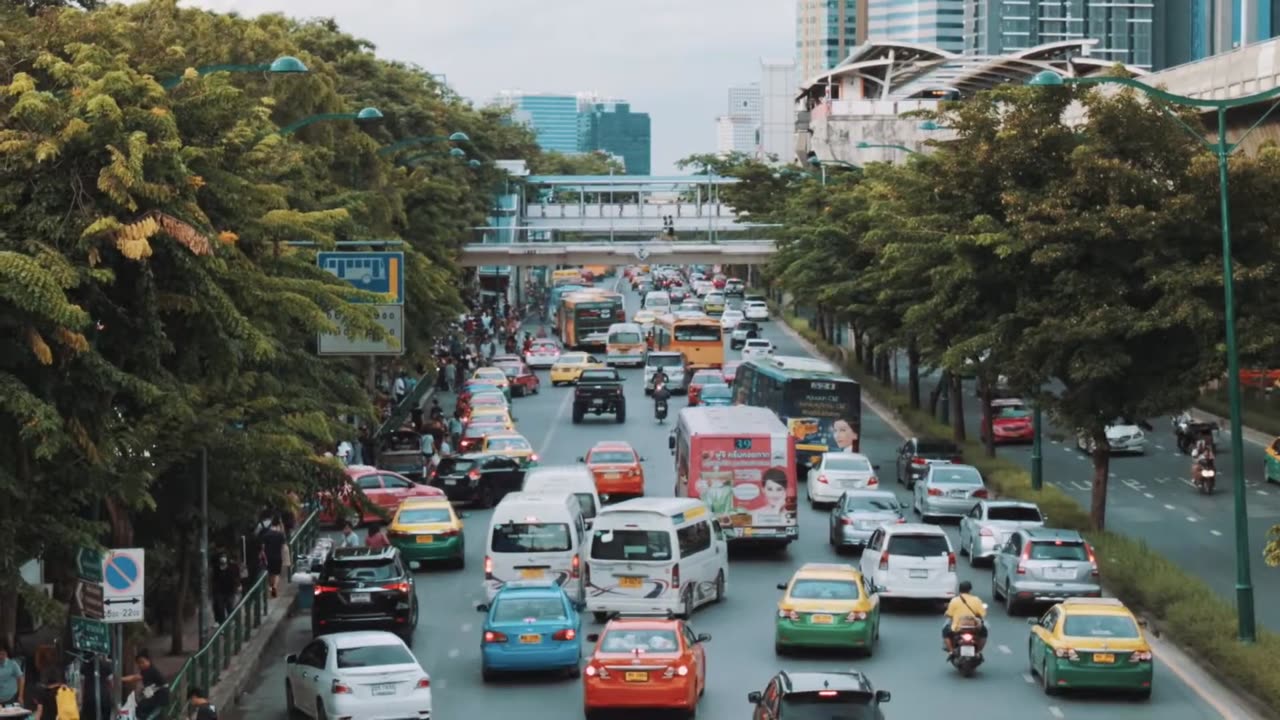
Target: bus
(740, 461)
(555, 296)
(821, 408)
(567, 276)
(700, 340)
(584, 318)
(596, 272)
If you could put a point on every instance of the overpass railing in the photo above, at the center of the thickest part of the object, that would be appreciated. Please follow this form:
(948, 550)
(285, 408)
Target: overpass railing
(626, 210)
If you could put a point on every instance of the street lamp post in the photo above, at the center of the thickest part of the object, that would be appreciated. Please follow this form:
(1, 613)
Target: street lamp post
(457, 137)
(1222, 150)
(1037, 459)
(364, 115)
(887, 146)
(822, 165)
(283, 65)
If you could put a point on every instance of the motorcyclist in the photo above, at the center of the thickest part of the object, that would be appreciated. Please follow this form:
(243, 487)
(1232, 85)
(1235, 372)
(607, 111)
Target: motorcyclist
(661, 395)
(963, 611)
(1201, 456)
(659, 377)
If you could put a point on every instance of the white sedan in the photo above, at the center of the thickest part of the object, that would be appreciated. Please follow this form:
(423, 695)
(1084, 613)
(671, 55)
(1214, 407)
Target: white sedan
(367, 675)
(1123, 437)
(755, 310)
(757, 348)
(543, 354)
(729, 319)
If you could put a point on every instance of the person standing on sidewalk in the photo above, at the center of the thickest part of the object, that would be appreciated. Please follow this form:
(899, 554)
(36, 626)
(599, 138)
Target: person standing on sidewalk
(13, 681)
(378, 538)
(225, 585)
(274, 544)
(349, 537)
(400, 388)
(455, 427)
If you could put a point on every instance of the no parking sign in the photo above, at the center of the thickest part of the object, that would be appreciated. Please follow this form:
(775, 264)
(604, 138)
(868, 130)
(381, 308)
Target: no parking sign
(123, 584)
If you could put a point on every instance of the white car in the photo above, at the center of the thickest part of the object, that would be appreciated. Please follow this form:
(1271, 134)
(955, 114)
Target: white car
(729, 319)
(837, 473)
(365, 675)
(757, 347)
(911, 560)
(989, 524)
(542, 354)
(755, 310)
(1123, 437)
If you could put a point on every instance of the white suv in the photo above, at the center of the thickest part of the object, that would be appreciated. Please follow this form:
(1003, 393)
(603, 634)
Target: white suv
(757, 347)
(755, 310)
(911, 561)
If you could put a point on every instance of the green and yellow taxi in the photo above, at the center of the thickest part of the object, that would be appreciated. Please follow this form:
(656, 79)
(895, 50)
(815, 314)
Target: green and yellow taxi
(494, 376)
(512, 445)
(827, 605)
(1094, 643)
(428, 530)
(491, 415)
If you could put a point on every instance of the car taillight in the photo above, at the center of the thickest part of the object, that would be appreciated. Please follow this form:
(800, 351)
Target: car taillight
(575, 569)
(673, 671)
(855, 616)
(1026, 555)
(951, 562)
(846, 521)
(488, 568)
(324, 589)
(534, 457)
(1093, 560)
(957, 460)
(789, 505)
(982, 493)
(873, 481)
(902, 521)
(423, 683)
(401, 587)
(986, 532)
(919, 462)
(566, 634)
(474, 474)
(967, 637)
(823, 479)
(1140, 656)
(449, 534)
(828, 693)
(494, 637)
(341, 688)
(675, 576)
(934, 492)
(594, 670)
(884, 560)
(791, 615)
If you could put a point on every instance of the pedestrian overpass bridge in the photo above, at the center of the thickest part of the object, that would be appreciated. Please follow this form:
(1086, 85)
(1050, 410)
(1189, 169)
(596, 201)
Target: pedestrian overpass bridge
(678, 252)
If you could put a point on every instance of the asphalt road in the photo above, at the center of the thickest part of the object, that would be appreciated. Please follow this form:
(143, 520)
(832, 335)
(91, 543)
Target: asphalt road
(908, 661)
(1151, 497)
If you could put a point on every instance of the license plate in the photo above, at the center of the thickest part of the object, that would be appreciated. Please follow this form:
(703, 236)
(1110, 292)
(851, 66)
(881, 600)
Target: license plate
(636, 677)
(919, 574)
(613, 476)
(426, 539)
(359, 597)
(968, 651)
(1059, 573)
(1104, 658)
(748, 532)
(821, 619)
(631, 583)
(959, 493)
(451, 481)
(384, 689)
(598, 401)
(530, 639)
(531, 573)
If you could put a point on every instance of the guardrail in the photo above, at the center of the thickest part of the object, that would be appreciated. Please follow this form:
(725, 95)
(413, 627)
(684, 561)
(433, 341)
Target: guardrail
(401, 411)
(205, 667)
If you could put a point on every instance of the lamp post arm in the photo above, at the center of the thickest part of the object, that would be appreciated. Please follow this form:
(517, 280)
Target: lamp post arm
(1178, 99)
(170, 83)
(295, 127)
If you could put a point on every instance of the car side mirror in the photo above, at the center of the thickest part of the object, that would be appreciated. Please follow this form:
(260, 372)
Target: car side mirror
(754, 698)
(463, 516)
(703, 637)
(291, 658)
(593, 637)
(671, 442)
(582, 459)
(1142, 622)
(641, 458)
(875, 467)
(782, 586)
(482, 607)
(883, 696)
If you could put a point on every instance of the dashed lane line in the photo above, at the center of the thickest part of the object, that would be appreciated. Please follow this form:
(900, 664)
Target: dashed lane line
(1215, 533)
(1056, 711)
(1169, 507)
(1028, 678)
(454, 652)
(1191, 519)
(466, 627)
(1005, 649)
(1149, 496)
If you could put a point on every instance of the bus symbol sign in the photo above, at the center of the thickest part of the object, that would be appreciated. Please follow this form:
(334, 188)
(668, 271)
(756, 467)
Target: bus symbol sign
(376, 272)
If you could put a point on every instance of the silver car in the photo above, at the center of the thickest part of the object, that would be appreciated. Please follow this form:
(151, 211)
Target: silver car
(1043, 565)
(672, 363)
(948, 490)
(837, 472)
(858, 513)
(989, 524)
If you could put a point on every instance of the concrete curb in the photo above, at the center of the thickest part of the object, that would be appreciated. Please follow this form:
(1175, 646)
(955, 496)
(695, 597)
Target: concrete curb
(246, 664)
(1257, 437)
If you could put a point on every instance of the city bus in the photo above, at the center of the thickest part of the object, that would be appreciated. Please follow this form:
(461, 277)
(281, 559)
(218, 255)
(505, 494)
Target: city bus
(585, 317)
(740, 461)
(821, 408)
(700, 340)
(554, 297)
(567, 276)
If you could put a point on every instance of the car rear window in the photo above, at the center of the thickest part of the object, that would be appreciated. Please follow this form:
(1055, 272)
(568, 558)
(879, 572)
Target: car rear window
(508, 444)
(664, 360)
(625, 338)
(955, 476)
(625, 641)
(697, 333)
(1059, 550)
(531, 537)
(524, 609)
(1015, 513)
(936, 449)
(360, 571)
(824, 590)
(631, 545)
(1012, 412)
(873, 503)
(1100, 626)
(418, 516)
(612, 456)
(918, 545)
(846, 463)
(829, 705)
(451, 466)
(374, 656)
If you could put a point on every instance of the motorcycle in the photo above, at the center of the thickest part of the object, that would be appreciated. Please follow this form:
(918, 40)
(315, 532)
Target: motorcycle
(660, 397)
(1189, 431)
(966, 655)
(1206, 475)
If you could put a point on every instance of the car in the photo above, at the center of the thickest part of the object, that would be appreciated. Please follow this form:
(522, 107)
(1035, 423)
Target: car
(500, 360)
(1094, 643)
(356, 674)
(915, 456)
(990, 523)
(829, 606)
(617, 470)
(530, 627)
(1039, 565)
(542, 354)
(754, 298)
(702, 287)
(734, 286)
(756, 348)
(483, 402)
(522, 379)
(836, 473)
(570, 365)
(755, 309)
(742, 332)
(513, 445)
(1123, 436)
(473, 435)
(491, 415)
(948, 490)
(472, 388)
(730, 371)
(645, 663)
(383, 492)
(428, 530)
(911, 561)
(365, 588)
(729, 319)
(493, 376)
(709, 376)
(600, 391)
(645, 318)
(719, 281)
(713, 303)
(858, 513)
(677, 292)
(690, 305)
(1010, 422)
(480, 478)
(672, 363)
(809, 695)
(716, 395)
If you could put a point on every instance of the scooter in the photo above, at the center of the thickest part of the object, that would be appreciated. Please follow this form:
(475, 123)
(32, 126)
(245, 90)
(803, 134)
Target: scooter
(1188, 431)
(1206, 476)
(965, 655)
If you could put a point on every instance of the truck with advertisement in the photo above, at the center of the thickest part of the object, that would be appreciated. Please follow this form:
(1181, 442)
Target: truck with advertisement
(740, 462)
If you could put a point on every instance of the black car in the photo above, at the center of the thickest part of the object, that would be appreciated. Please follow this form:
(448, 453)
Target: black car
(915, 456)
(818, 696)
(480, 478)
(365, 589)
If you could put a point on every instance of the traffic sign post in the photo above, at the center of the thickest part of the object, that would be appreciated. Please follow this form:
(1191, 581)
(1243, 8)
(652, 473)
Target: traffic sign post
(89, 564)
(123, 574)
(90, 635)
(89, 598)
(377, 272)
(390, 317)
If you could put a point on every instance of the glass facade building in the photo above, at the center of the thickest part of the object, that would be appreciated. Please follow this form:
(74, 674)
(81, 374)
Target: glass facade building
(1190, 30)
(553, 118)
(612, 127)
(1125, 31)
(826, 32)
(936, 23)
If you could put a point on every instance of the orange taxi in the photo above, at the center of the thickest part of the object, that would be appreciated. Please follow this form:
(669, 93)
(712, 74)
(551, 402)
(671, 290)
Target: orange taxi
(615, 465)
(644, 662)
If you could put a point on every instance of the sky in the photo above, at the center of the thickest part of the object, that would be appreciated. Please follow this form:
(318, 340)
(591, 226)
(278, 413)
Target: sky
(674, 59)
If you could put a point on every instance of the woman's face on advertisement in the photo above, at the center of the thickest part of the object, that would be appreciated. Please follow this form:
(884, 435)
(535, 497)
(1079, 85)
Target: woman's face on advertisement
(845, 436)
(775, 493)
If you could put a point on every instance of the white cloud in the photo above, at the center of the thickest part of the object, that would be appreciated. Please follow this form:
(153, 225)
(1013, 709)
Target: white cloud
(673, 59)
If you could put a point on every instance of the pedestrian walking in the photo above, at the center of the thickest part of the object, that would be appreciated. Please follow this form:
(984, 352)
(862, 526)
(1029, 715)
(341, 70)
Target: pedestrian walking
(400, 388)
(13, 680)
(377, 538)
(274, 548)
(56, 700)
(153, 690)
(225, 585)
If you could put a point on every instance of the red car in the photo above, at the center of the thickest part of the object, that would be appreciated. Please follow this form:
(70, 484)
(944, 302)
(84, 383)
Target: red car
(710, 376)
(730, 370)
(645, 663)
(473, 436)
(1010, 422)
(719, 281)
(383, 489)
(520, 376)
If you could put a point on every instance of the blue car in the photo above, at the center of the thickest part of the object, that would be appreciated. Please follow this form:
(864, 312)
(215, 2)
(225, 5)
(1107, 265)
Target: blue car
(713, 395)
(530, 628)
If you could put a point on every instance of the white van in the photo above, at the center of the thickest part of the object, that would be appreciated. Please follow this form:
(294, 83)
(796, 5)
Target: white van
(655, 555)
(658, 301)
(573, 479)
(912, 560)
(624, 345)
(536, 536)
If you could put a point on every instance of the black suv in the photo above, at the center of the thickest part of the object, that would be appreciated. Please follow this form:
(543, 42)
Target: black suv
(480, 478)
(915, 456)
(365, 589)
(810, 695)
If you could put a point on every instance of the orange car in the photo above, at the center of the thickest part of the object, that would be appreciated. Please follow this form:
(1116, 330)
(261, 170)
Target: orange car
(615, 465)
(648, 663)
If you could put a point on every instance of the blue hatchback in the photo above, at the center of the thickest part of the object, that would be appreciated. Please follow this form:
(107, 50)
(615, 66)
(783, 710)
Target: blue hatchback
(530, 628)
(716, 395)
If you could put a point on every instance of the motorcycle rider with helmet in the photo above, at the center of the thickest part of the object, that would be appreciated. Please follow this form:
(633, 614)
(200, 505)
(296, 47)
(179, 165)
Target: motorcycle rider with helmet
(661, 396)
(1201, 457)
(965, 610)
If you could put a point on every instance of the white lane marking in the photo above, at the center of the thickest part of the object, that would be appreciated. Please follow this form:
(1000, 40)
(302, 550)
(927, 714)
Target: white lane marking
(1056, 711)
(1133, 485)
(1168, 507)
(1005, 649)
(1187, 481)
(1215, 533)
(454, 652)
(466, 627)
(1263, 492)
(1081, 486)
(1191, 519)
(1162, 480)
(1028, 678)
(1149, 496)
(555, 425)
(1159, 447)
(442, 683)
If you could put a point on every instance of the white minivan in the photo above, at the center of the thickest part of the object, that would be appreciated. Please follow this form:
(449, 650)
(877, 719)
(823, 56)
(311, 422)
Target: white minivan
(912, 560)
(573, 479)
(536, 537)
(655, 555)
(658, 301)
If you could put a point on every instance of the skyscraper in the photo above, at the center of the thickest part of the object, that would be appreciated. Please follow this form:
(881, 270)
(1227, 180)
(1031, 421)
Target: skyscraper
(826, 32)
(553, 117)
(1190, 30)
(937, 23)
(778, 86)
(609, 125)
(739, 129)
(1124, 30)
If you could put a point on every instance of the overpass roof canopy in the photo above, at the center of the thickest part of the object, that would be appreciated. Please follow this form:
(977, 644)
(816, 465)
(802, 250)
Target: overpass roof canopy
(628, 183)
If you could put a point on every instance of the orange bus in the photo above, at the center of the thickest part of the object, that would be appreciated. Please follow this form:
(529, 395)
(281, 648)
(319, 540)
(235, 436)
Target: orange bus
(700, 340)
(585, 317)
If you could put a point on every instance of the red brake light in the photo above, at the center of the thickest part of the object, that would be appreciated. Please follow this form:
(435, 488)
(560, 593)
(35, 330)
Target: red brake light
(449, 534)
(675, 576)
(534, 457)
(1026, 555)
(981, 493)
(967, 637)
(338, 688)
(488, 568)
(566, 634)
(823, 479)
(919, 461)
(873, 481)
(576, 569)
(884, 560)
(957, 460)
(424, 683)
(902, 521)
(986, 532)
(474, 474)
(402, 587)
(951, 562)
(494, 637)
(324, 589)
(846, 521)
(1093, 559)
(828, 693)
(934, 492)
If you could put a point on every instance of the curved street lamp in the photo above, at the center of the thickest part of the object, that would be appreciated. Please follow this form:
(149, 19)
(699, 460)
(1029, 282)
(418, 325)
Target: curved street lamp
(368, 114)
(1222, 149)
(457, 137)
(886, 146)
(822, 165)
(283, 65)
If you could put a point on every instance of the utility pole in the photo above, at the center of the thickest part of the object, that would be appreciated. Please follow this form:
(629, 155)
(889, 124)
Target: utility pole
(202, 616)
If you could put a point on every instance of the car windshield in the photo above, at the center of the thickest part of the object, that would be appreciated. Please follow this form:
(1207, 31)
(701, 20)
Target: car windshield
(587, 502)
(664, 361)
(504, 444)
(631, 545)
(824, 590)
(479, 430)
(1059, 550)
(955, 476)
(936, 449)
(531, 537)
(454, 466)
(846, 463)
(511, 370)
(526, 609)
(374, 656)
(419, 516)
(919, 545)
(368, 571)
(625, 338)
(1100, 626)
(698, 333)
(612, 456)
(1012, 412)
(1015, 513)
(625, 641)
(489, 373)
(840, 706)
(872, 503)
(717, 390)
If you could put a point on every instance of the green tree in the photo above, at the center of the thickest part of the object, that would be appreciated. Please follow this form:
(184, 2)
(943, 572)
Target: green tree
(591, 163)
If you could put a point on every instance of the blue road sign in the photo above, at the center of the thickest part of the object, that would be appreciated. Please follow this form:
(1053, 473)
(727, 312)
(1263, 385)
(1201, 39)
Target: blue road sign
(379, 272)
(121, 573)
